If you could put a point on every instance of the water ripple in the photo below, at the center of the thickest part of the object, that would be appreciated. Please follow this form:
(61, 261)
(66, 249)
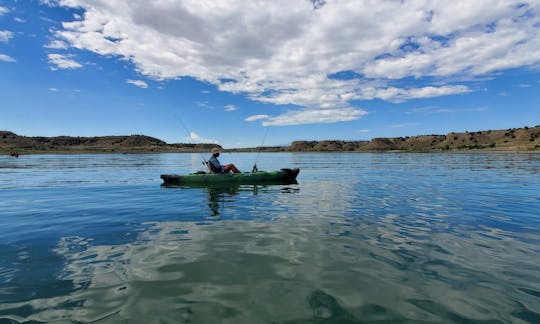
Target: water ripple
(385, 237)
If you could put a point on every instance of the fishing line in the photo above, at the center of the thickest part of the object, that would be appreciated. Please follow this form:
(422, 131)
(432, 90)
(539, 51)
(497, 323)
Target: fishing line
(191, 139)
(259, 151)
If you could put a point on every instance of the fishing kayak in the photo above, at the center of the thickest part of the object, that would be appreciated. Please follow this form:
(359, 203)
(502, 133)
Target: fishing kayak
(283, 176)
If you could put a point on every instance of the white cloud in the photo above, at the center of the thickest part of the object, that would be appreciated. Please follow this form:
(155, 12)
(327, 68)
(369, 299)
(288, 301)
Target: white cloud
(60, 61)
(431, 110)
(49, 2)
(3, 10)
(53, 89)
(138, 83)
(404, 125)
(57, 44)
(5, 35)
(230, 108)
(19, 20)
(195, 138)
(315, 116)
(202, 104)
(256, 117)
(285, 52)
(394, 94)
(6, 58)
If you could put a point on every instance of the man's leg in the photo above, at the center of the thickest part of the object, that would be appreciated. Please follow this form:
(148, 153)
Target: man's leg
(231, 167)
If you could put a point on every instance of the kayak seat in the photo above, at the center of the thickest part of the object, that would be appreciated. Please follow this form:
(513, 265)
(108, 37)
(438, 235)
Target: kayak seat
(211, 168)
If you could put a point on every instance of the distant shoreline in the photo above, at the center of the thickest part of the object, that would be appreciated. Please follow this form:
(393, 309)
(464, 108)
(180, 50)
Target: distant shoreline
(468, 151)
(514, 140)
(452, 151)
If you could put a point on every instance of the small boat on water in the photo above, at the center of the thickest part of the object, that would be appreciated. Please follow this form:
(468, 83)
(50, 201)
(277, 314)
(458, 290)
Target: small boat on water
(283, 176)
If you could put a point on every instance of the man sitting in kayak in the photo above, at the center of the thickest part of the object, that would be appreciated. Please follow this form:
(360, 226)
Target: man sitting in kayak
(216, 167)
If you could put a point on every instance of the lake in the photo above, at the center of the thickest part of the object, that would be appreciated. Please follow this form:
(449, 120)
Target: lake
(360, 238)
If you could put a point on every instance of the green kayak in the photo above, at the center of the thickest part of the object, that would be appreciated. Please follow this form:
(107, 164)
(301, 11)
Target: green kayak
(283, 176)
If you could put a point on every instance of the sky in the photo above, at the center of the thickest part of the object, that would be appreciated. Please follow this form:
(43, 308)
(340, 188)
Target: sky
(252, 73)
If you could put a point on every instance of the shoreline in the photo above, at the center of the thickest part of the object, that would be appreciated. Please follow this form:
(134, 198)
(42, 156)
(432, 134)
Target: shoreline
(434, 151)
(511, 141)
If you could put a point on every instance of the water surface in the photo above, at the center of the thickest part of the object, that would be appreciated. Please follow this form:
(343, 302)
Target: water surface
(360, 238)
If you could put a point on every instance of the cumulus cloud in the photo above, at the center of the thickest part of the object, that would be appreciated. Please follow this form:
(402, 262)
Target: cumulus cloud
(138, 83)
(57, 44)
(6, 58)
(3, 10)
(314, 116)
(5, 35)
(320, 56)
(60, 61)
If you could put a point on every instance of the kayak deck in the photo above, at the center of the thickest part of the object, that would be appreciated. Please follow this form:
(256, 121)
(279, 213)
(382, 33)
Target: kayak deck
(283, 176)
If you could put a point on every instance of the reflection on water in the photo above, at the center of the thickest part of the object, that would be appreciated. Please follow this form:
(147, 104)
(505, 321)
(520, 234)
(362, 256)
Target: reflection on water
(396, 238)
(221, 195)
(237, 270)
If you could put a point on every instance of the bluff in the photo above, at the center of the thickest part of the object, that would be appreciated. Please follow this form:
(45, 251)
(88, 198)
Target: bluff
(521, 139)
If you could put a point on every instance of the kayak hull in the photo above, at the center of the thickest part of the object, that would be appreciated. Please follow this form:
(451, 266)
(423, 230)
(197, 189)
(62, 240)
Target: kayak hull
(283, 176)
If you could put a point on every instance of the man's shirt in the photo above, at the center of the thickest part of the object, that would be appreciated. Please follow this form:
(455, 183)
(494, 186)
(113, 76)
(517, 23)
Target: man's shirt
(216, 166)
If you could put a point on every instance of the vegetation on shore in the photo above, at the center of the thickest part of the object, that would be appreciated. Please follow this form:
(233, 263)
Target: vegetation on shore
(515, 139)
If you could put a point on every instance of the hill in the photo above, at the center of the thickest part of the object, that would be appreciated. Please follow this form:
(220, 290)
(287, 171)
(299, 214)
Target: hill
(526, 139)
(514, 139)
(10, 141)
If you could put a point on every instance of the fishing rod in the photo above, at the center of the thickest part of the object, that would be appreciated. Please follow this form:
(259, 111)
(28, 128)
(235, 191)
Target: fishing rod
(192, 141)
(254, 169)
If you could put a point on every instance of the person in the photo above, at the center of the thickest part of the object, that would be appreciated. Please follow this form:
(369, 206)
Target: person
(216, 167)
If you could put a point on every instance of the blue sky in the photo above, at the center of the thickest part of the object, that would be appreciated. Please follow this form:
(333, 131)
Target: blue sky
(230, 72)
